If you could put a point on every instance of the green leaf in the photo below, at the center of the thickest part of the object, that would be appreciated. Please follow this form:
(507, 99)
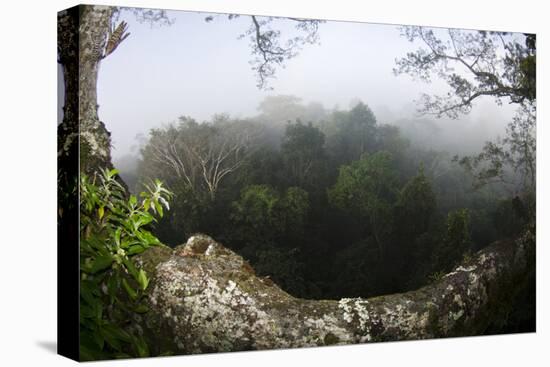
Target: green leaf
(117, 236)
(101, 263)
(113, 286)
(136, 249)
(86, 311)
(146, 218)
(149, 238)
(88, 297)
(88, 349)
(128, 243)
(131, 292)
(146, 203)
(141, 346)
(142, 279)
(110, 337)
(158, 208)
(117, 332)
(131, 267)
(112, 173)
(141, 308)
(98, 339)
(164, 202)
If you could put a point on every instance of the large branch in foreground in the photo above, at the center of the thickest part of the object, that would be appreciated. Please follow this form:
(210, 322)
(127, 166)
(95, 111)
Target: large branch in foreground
(205, 298)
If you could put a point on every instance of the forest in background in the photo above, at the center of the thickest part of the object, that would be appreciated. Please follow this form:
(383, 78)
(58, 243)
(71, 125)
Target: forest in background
(326, 203)
(330, 203)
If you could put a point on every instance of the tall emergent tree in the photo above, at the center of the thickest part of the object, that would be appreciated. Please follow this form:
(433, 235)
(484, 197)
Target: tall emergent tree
(197, 155)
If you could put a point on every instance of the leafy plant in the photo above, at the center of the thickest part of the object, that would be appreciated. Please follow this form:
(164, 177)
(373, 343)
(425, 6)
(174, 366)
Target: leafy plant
(112, 231)
(436, 277)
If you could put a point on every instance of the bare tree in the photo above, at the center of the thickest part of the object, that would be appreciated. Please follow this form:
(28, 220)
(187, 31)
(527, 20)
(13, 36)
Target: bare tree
(166, 149)
(200, 155)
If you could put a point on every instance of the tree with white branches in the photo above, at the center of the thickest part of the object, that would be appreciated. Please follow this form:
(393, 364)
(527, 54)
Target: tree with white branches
(199, 155)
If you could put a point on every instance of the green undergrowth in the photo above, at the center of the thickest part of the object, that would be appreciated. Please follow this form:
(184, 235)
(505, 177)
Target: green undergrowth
(113, 230)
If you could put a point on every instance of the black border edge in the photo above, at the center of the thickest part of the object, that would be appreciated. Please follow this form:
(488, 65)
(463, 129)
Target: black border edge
(68, 244)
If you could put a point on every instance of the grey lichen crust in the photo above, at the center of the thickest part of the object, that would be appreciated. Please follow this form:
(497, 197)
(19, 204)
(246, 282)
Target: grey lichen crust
(206, 298)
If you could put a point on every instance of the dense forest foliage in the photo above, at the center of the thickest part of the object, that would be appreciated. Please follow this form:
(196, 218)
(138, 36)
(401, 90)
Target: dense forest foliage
(333, 203)
(328, 203)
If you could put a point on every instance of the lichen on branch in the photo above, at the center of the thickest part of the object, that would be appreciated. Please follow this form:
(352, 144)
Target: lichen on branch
(206, 298)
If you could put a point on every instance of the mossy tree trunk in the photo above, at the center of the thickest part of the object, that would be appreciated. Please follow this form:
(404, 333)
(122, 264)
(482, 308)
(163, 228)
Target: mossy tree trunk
(82, 34)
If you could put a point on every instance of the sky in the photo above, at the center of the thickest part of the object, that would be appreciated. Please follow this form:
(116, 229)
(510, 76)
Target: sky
(198, 68)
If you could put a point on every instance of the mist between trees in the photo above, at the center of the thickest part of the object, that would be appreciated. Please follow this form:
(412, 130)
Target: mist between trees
(327, 202)
(332, 203)
(335, 202)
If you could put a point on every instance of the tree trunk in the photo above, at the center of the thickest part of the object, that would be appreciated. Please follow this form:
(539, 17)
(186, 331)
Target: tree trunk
(82, 34)
(205, 298)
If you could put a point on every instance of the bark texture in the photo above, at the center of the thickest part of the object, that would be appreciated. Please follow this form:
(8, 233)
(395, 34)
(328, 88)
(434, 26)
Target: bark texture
(67, 53)
(82, 35)
(205, 298)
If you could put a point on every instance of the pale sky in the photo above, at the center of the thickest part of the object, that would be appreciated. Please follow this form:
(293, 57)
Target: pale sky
(199, 69)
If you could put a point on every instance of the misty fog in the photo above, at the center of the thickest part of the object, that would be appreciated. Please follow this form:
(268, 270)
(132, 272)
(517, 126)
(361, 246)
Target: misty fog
(338, 159)
(198, 69)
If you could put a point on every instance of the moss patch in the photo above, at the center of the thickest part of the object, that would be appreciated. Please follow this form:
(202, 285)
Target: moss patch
(331, 339)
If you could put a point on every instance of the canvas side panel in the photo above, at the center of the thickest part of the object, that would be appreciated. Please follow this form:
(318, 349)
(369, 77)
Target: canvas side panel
(68, 273)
